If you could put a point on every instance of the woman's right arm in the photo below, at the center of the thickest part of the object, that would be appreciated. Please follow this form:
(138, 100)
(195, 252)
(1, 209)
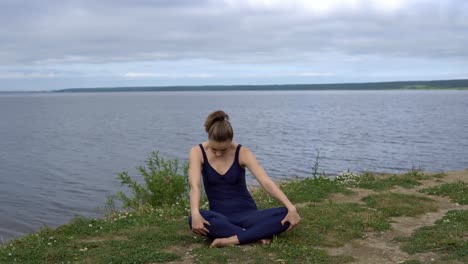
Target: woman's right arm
(194, 180)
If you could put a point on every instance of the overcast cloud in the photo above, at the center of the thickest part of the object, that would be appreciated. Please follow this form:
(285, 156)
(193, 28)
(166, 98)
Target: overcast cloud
(47, 45)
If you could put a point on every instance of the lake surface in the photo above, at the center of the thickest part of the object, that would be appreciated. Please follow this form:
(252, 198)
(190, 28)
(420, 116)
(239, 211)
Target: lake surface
(60, 152)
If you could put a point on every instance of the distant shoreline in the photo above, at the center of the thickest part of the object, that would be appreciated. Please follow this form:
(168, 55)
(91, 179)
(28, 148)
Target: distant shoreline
(461, 84)
(398, 85)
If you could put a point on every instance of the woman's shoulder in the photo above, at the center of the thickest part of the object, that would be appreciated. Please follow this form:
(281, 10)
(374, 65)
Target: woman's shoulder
(243, 148)
(195, 151)
(197, 146)
(245, 155)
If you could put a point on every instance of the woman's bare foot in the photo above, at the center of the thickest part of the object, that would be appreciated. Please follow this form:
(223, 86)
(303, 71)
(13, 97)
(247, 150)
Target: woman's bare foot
(265, 241)
(224, 242)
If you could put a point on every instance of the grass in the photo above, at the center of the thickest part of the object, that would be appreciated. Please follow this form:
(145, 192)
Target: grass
(456, 191)
(408, 180)
(312, 190)
(161, 234)
(334, 224)
(397, 204)
(149, 235)
(122, 238)
(446, 236)
(301, 191)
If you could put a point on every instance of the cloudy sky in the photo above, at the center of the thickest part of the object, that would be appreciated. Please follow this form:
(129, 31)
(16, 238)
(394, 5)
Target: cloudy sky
(55, 44)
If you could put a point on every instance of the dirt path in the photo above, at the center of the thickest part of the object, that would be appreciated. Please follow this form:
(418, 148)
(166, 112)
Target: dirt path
(380, 247)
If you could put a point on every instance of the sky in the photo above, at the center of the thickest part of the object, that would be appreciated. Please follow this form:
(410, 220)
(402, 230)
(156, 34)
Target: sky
(57, 44)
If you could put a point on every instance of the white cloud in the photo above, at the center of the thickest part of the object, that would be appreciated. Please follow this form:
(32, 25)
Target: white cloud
(205, 41)
(145, 75)
(316, 74)
(142, 75)
(320, 8)
(28, 75)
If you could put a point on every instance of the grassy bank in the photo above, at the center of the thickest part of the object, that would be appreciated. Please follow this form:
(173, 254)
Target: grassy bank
(349, 219)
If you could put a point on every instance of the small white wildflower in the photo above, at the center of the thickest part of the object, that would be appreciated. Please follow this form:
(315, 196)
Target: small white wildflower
(55, 241)
(50, 244)
(90, 225)
(100, 227)
(83, 249)
(51, 238)
(9, 254)
(130, 215)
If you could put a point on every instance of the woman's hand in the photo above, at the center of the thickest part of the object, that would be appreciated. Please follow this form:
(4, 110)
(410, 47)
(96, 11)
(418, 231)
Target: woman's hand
(198, 225)
(292, 217)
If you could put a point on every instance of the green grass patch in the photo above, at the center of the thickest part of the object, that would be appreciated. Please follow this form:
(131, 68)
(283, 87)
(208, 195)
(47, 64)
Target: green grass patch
(290, 252)
(236, 254)
(438, 175)
(312, 190)
(456, 191)
(407, 180)
(447, 236)
(397, 204)
(120, 238)
(334, 224)
(300, 191)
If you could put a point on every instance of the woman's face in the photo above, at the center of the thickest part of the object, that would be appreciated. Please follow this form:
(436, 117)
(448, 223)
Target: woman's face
(219, 148)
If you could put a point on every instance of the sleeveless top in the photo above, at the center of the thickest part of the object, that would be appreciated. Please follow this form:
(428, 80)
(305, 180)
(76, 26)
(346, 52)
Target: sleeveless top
(227, 194)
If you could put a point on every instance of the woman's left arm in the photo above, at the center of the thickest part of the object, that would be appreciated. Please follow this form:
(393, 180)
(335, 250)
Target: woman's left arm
(248, 159)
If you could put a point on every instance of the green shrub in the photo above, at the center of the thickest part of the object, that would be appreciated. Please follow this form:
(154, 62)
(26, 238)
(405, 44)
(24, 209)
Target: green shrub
(163, 184)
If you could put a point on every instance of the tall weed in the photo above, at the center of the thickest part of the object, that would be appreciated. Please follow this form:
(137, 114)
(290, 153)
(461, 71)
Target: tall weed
(164, 184)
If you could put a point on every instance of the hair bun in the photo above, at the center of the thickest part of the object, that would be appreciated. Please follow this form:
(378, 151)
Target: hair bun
(221, 132)
(220, 116)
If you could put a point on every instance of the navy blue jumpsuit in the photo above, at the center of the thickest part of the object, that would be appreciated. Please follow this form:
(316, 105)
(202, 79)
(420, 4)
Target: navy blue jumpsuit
(232, 209)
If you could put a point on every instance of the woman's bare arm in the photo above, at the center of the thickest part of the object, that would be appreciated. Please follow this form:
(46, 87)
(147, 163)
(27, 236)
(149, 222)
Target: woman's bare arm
(250, 161)
(194, 182)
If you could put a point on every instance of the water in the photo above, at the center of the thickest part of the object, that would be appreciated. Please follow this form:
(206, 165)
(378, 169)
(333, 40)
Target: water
(60, 153)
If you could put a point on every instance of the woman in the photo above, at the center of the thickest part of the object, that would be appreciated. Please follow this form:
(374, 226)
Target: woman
(233, 217)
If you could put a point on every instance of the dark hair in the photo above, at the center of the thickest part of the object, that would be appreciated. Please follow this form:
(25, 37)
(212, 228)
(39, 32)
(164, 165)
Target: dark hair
(218, 127)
